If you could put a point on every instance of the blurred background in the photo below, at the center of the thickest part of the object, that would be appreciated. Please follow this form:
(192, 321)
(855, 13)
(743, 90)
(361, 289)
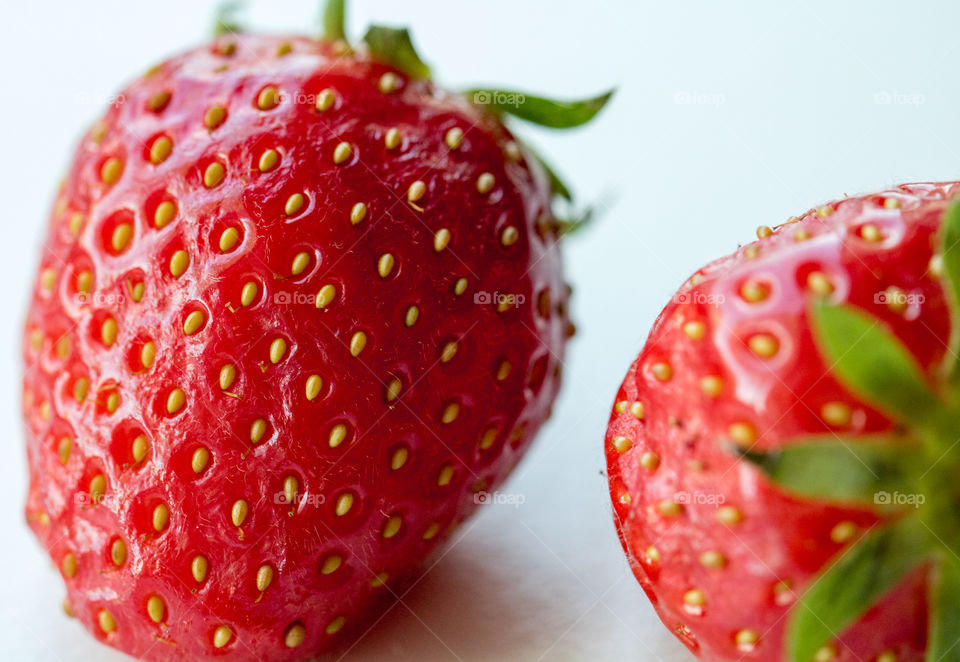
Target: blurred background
(728, 115)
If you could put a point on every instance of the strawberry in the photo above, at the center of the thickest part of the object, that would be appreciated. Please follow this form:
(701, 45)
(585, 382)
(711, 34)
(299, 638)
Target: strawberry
(297, 305)
(782, 453)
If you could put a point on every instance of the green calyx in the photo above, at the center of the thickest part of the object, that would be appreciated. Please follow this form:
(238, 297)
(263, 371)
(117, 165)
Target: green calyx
(909, 476)
(225, 20)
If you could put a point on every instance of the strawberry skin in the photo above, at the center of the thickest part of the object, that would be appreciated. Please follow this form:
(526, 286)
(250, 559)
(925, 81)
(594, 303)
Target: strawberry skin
(723, 552)
(266, 371)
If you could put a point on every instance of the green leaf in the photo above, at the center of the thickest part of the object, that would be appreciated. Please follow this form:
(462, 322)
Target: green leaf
(576, 223)
(859, 577)
(225, 20)
(870, 361)
(540, 110)
(824, 467)
(334, 21)
(394, 46)
(943, 637)
(950, 250)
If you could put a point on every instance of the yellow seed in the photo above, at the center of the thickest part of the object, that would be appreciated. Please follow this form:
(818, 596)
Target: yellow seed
(342, 153)
(838, 414)
(137, 290)
(139, 448)
(106, 621)
(80, 390)
(649, 461)
(158, 101)
(385, 265)
(485, 183)
(76, 223)
(636, 409)
(801, 234)
(488, 438)
(200, 459)
(754, 292)
(711, 385)
(156, 608)
(268, 98)
(652, 554)
(357, 213)
(331, 564)
(69, 565)
(713, 559)
(729, 515)
(326, 295)
(509, 236)
(336, 624)
(887, 656)
(389, 82)
(176, 400)
(314, 384)
(64, 448)
(179, 263)
(454, 138)
(63, 347)
(392, 527)
(825, 653)
(448, 352)
(160, 150)
(228, 373)
(393, 389)
(238, 513)
(326, 99)
(268, 160)
(843, 532)
(441, 239)
(108, 331)
(264, 577)
(431, 531)
(445, 476)
(503, 371)
(460, 287)
(669, 508)
(824, 211)
(896, 300)
(290, 488)
(399, 458)
(870, 232)
(45, 411)
(662, 371)
(198, 568)
(512, 150)
(257, 430)
(193, 322)
(113, 402)
(450, 413)
(622, 444)
(935, 266)
(742, 434)
(229, 240)
(358, 342)
(416, 191)
(747, 639)
(213, 174)
(248, 293)
(393, 138)
(891, 203)
(764, 345)
(344, 504)
(222, 636)
(694, 330)
(278, 349)
(148, 354)
(214, 117)
(161, 515)
(111, 170)
(764, 231)
(118, 552)
(413, 313)
(164, 213)
(338, 433)
(294, 204)
(295, 635)
(818, 283)
(300, 263)
(695, 598)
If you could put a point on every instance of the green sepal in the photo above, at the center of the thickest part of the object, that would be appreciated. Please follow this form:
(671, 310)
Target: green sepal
(393, 46)
(540, 110)
(575, 223)
(557, 185)
(943, 615)
(950, 250)
(825, 467)
(857, 580)
(225, 20)
(334, 21)
(872, 363)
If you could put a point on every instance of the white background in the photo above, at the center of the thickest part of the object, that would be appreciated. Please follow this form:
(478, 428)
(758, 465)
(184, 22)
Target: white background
(729, 115)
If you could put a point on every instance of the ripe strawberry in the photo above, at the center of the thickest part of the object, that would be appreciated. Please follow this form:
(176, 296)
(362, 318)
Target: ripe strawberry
(782, 455)
(265, 368)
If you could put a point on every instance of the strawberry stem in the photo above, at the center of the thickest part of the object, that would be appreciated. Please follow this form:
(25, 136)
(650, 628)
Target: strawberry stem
(334, 20)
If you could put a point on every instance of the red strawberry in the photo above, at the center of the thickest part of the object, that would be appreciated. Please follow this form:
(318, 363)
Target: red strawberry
(266, 370)
(782, 454)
